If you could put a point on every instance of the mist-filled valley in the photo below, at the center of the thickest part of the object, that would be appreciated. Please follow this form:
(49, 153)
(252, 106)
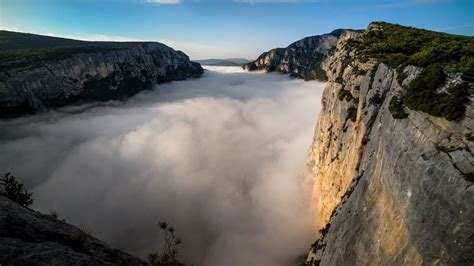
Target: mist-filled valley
(222, 158)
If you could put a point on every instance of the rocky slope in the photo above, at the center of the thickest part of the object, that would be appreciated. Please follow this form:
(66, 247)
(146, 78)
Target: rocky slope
(28, 237)
(301, 59)
(85, 72)
(388, 191)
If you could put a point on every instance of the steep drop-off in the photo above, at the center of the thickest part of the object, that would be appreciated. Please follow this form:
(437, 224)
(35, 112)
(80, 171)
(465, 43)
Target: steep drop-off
(388, 191)
(28, 237)
(58, 71)
(392, 184)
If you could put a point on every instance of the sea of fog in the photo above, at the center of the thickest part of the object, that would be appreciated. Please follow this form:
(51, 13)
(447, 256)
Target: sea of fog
(221, 158)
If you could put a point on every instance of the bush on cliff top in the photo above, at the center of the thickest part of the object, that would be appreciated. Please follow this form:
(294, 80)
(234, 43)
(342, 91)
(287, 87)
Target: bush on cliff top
(396, 44)
(439, 53)
(422, 94)
(15, 190)
(28, 49)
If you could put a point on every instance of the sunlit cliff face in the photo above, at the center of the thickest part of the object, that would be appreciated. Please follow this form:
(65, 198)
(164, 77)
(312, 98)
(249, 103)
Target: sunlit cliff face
(222, 158)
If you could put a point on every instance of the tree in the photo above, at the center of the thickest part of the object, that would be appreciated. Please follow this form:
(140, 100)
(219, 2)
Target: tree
(15, 190)
(169, 254)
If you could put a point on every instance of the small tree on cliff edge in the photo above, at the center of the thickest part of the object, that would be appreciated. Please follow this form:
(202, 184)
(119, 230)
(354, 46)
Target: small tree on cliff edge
(15, 190)
(169, 255)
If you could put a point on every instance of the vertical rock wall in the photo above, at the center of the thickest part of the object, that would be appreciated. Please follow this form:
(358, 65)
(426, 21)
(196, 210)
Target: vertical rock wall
(388, 191)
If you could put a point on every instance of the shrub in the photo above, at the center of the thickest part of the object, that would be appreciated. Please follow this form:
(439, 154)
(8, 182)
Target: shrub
(395, 45)
(79, 238)
(376, 99)
(15, 190)
(351, 114)
(372, 76)
(318, 74)
(169, 254)
(339, 78)
(345, 94)
(439, 53)
(396, 108)
(422, 94)
(54, 214)
(401, 75)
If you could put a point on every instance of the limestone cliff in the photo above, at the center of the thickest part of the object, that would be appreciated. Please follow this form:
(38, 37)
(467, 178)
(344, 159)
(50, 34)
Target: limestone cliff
(388, 191)
(301, 59)
(28, 237)
(92, 71)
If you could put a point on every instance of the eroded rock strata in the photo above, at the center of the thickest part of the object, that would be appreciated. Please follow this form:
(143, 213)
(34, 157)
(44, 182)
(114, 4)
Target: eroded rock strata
(388, 191)
(84, 76)
(301, 59)
(392, 185)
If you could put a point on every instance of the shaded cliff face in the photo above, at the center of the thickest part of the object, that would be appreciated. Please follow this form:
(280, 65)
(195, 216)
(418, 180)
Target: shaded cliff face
(388, 191)
(28, 237)
(97, 75)
(301, 59)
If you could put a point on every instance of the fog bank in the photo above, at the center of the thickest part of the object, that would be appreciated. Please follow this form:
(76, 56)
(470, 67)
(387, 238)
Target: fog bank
(222, 158)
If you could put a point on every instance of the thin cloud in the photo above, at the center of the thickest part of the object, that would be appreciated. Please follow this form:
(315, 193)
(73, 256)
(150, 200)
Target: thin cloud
(411, 3)
(164, 2)
(253, 2)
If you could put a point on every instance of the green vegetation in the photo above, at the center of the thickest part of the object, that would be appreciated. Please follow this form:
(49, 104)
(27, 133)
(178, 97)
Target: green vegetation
(422, 94)
(15, 190)
(318, 74)
(396, 108)
(345, 94)
(372, 76)
(396, 45)
(351, 114)
(376, 99)
(401, 75)
(25, 48)
(439, 53)
(339, 78)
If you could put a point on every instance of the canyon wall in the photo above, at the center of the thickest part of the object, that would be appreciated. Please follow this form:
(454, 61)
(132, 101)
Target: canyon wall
(301, 59)
(106, 74)
(391, 187)
(388, 191)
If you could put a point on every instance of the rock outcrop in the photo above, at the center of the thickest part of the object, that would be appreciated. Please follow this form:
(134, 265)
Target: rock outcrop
(28, 237)
(89, 75)
(392, 186)
(300, 59)
(388, 191)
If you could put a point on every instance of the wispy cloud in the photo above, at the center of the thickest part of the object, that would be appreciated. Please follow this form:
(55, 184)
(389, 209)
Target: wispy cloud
(164, 2)
(410, 3)
(253, 2)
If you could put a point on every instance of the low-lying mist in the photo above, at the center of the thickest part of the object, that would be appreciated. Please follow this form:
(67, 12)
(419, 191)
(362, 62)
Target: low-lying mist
(221, 158)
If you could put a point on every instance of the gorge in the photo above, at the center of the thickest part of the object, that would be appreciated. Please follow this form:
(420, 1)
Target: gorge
(391, 185)
(180, 153)
(388, 177)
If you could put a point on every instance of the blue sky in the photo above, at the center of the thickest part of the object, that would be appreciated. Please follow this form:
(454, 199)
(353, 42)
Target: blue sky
(225, 28)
